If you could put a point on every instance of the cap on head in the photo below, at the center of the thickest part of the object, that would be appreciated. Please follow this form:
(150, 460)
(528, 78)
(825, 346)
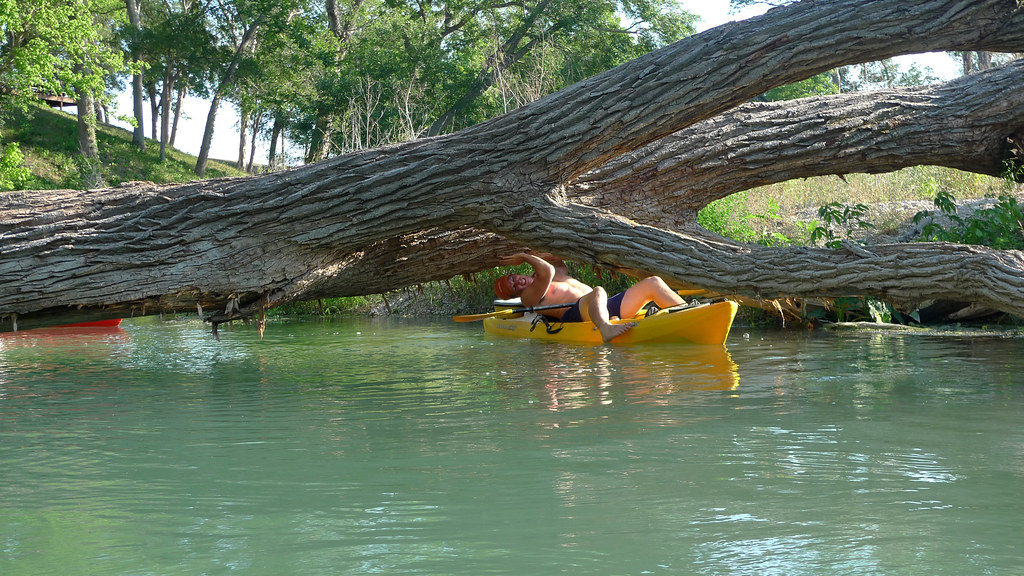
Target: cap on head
(503, 288)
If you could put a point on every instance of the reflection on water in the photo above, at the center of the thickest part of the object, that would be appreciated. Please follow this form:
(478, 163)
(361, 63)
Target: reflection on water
(402, 447)
(568, 377)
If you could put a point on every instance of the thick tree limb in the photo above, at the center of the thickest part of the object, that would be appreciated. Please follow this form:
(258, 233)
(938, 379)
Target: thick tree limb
(963, 124)
(901, 272)
(704, 75)
(968, 124)
(254, 242)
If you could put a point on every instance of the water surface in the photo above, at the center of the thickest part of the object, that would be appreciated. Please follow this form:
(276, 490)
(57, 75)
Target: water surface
(391, 446)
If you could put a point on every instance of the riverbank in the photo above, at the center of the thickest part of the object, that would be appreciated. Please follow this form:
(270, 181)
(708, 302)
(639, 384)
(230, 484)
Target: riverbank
(944, 330)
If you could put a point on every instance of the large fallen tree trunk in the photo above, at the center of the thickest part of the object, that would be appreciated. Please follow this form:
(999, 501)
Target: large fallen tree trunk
(244, 244)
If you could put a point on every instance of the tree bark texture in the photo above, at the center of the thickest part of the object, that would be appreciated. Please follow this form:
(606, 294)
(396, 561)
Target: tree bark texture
(969, 124)
(545, 176)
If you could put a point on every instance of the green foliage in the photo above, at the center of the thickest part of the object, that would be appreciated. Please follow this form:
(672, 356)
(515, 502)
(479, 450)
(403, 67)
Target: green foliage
(1013, 169)
(731, 218)
(882, 74)
(329, 306)
(412, 68)
(1000, 226)
(819, 85)
(857, 309)
(56, 47)
(13, 174)
(839, 222)
(658, 23)
(737, 5)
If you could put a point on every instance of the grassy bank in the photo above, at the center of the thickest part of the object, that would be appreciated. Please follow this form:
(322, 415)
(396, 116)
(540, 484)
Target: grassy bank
(48, 139)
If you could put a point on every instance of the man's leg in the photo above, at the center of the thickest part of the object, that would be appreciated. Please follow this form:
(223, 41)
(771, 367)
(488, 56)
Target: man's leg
(594, 307)
(650, 289)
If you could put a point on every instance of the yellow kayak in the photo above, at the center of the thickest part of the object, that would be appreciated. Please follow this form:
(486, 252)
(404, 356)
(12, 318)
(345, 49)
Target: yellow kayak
(707, 324)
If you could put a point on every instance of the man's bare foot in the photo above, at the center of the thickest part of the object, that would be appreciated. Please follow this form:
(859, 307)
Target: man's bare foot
(610, 331)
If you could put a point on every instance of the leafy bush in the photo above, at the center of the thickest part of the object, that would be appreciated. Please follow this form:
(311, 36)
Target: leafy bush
(1000, 226)
(839, 218)
(13, 174)
(731, 218)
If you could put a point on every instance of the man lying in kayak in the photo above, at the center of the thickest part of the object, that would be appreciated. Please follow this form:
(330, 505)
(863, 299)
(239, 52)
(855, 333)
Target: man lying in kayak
(551, 284)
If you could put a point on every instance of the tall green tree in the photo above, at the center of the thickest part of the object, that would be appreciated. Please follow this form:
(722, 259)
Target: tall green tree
(278, 74)
(178, 50)
(330, 48)
(238, 27)
(400, 69)
(60, 47)
(45, 44)
(594, 35)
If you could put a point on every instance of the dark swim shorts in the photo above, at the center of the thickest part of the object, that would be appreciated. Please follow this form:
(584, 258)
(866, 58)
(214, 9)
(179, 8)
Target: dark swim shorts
(572, 313)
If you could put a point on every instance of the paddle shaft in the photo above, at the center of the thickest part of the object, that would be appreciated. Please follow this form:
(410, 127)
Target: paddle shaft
(511, 311)
(507, 312)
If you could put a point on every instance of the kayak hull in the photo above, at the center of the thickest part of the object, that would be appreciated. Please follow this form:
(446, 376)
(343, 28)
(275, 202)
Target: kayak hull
(706, 324)
(95, 324)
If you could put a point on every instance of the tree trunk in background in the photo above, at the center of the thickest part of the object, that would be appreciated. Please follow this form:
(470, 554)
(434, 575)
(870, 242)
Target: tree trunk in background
(100, 110)
(243, 126)
(984, 61)
(341, 24)
(170, 77)
(226, 80)
(430, 209)
(178, 99)
(204, 148)
(252, 140)
(139, 132)
(275, 133)
(154, 111)
(321, 138)
(87, 145)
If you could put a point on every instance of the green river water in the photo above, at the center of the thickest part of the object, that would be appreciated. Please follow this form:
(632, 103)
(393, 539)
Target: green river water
(412, 447)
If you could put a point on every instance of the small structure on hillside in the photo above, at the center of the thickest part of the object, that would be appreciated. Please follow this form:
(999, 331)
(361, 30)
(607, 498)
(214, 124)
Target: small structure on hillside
(57, 100)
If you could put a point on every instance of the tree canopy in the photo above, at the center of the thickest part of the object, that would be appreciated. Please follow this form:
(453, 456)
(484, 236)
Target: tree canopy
(55, 48)
(332, 75)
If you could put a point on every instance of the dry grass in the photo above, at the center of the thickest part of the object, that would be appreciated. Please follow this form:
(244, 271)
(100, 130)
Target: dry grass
(917, 183)
(790, 208)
